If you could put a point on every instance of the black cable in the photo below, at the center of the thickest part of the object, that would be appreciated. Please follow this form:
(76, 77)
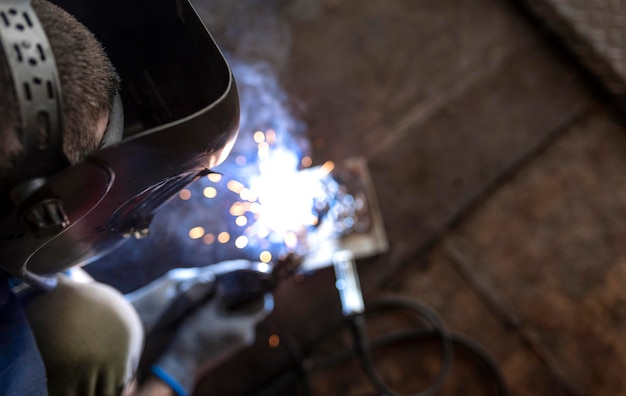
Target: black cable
(479, 353)
(459, 341)
(363, 345)
(357, 325)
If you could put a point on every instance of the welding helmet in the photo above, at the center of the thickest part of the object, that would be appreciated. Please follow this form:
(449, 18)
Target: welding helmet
(181, 117)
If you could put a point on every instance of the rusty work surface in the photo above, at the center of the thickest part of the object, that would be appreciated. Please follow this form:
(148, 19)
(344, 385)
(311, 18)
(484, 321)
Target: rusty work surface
(441, 98)
(552, 241)
(440, 116)
(535, 274)
(445, 99)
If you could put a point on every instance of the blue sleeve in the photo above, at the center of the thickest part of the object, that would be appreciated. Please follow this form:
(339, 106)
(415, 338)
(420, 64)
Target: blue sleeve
(21, 368)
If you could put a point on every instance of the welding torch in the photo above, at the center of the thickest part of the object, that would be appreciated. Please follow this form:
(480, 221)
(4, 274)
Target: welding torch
(168, 299)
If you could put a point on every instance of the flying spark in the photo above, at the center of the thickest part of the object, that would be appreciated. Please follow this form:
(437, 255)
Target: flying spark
(209, 192)
(196, 233)
(214, 177)
(223, 237)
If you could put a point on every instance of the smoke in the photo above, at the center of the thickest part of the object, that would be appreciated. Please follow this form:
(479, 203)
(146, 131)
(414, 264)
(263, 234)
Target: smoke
(264, 106)
(256, 40)
(255, 30)
(249, 30)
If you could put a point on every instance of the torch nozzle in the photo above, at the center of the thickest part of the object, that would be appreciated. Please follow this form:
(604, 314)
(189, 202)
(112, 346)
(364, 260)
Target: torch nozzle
(347, 283)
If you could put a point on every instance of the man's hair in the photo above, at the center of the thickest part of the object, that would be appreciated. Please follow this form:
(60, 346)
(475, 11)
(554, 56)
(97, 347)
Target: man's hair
(88, 86)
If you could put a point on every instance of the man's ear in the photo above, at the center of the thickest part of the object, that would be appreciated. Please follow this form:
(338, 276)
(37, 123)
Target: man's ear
(114, 129)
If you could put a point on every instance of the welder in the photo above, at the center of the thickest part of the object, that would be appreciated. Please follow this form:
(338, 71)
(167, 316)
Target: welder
(60, 331)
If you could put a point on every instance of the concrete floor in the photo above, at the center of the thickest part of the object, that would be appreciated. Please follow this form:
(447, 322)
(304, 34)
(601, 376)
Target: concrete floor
(499, 171)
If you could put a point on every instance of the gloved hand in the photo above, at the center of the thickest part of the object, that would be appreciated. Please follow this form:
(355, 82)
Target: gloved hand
(88, 335)
(206, 338)
(165, 300)
(161, 302)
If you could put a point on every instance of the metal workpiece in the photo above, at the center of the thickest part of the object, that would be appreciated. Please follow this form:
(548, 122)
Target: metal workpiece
(357, 226)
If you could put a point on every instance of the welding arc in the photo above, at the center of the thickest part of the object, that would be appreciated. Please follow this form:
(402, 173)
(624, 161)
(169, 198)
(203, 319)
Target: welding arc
(364, 345)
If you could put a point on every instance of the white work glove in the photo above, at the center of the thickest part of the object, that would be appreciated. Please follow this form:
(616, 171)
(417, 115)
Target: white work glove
(206, 338)
(89, 336)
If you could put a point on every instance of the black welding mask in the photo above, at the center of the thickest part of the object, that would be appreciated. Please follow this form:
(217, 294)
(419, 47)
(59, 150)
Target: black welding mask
(181, 117)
